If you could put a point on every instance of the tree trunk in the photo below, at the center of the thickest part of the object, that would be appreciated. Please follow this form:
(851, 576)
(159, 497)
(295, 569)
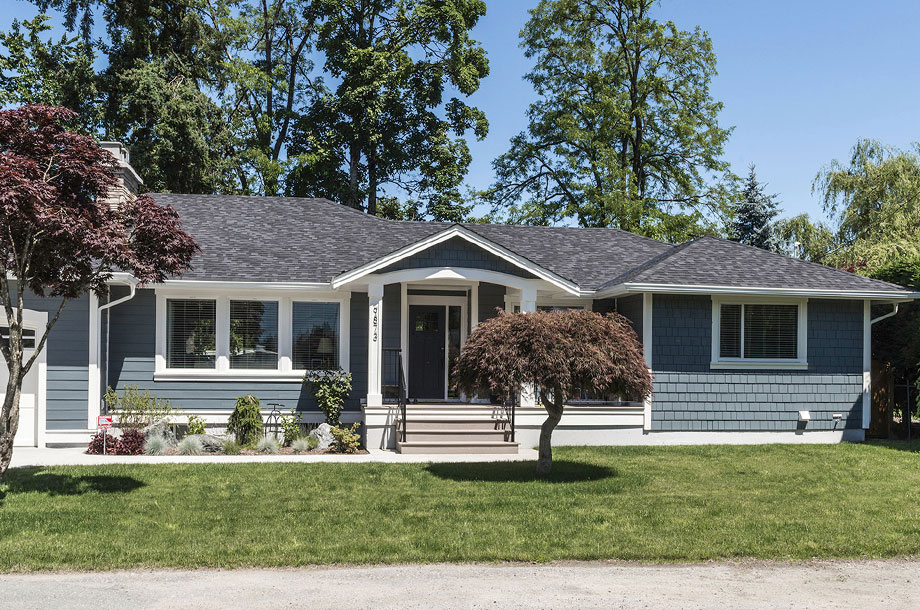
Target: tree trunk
(9, 420)
(554, 414)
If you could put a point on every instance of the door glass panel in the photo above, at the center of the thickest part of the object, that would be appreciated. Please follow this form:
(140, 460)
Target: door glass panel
(453, 346)
(426, 321)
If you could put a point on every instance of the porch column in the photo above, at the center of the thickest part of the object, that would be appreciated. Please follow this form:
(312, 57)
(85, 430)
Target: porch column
(374, 344)
(474, 306)
(528, 305)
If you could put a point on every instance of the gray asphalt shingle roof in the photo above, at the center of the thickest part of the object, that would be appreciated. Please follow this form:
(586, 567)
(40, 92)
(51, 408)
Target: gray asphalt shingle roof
(287, 239)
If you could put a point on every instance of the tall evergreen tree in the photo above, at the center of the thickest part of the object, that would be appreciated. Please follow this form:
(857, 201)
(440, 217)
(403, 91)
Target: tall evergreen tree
(755, 212)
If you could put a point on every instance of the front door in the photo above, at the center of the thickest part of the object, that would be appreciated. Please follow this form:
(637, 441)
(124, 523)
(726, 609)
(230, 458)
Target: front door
(427, 340)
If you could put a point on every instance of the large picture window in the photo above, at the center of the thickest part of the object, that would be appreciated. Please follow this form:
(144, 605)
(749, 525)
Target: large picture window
(254, 335)
(315, 335)
(191, 334)
(759, 332)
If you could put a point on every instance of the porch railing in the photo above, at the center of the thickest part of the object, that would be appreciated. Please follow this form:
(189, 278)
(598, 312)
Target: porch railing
(393, 357)
(509, 405)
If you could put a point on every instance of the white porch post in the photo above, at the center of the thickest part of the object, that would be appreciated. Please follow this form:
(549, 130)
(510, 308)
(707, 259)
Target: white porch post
(474, 305)
(374, 344)
(528, 305)
(647, 309)
(867, 365)
(404, 323)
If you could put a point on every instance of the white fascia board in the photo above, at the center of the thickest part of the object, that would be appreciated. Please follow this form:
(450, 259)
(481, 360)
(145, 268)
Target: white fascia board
(237, 286)
(887, 295)
(473, 238)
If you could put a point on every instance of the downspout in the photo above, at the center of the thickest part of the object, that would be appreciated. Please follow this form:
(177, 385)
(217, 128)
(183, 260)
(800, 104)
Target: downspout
(893, 312)
(132, 290)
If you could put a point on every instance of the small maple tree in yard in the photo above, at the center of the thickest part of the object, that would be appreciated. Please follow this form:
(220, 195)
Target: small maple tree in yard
(560, 353)
(60, 238)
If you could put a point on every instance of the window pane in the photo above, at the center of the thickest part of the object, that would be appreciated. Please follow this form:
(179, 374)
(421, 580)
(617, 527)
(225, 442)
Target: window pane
(253, 335)
(28, 337)
(315, 335)
(730, 332)
(771, 331)
(190, 334)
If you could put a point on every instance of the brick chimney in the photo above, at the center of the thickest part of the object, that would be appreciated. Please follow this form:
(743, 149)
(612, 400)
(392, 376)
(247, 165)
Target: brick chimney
(128, 180)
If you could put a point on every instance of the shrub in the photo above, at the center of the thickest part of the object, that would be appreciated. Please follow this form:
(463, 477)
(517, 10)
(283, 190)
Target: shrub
(347, 439)
(155, 445)
(330, 388)
(246, 420)
(95, 443)
(301, 445)
(190, 445)
(312, 443)
(137, 410)
(231, 447)
(290, 426)
(268, 444)
(196, 425)
(131, 442)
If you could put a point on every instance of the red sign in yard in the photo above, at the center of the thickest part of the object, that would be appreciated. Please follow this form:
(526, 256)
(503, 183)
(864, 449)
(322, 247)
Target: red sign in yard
(104, 421)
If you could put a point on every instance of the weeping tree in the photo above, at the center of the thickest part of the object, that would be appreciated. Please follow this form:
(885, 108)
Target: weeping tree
(61, 239)
(561, 354)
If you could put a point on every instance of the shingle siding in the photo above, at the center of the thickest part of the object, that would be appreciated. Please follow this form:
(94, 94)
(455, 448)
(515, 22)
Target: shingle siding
(67, 352)
(691, 396)
(133, 346)
(458, 252)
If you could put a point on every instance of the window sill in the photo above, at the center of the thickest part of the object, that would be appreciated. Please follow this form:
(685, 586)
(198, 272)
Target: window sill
(227, 376)
(760, 364)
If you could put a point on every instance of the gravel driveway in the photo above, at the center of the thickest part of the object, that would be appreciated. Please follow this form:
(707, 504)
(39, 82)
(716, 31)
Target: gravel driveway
(865, 585)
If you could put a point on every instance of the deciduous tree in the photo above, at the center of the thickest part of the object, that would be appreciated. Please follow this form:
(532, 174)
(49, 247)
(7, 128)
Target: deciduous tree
(561, 353)
(60, 238)
(625, 132)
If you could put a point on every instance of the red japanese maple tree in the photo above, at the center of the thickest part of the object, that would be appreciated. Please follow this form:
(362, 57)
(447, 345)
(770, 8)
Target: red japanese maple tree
(560, 353)
(60, 238)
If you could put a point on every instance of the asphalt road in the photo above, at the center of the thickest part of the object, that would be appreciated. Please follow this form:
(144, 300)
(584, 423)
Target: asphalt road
(865, 585)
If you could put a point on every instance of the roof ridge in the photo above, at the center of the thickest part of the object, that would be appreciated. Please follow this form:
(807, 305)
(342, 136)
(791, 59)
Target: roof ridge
(658, 258)
(801, 260)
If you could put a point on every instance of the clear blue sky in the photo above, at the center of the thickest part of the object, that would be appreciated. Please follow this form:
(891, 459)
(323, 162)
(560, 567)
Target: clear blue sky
(800, 81)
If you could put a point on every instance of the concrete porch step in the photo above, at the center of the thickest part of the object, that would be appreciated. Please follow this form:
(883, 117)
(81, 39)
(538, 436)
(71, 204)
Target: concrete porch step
(465, 446)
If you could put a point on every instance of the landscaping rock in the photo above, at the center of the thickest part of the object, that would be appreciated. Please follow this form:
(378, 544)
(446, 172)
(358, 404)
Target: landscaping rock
(323, 436)
(211, 443)
(163, 429)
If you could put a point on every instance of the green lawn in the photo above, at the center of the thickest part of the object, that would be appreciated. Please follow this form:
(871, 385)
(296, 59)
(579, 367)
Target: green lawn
(650, 504)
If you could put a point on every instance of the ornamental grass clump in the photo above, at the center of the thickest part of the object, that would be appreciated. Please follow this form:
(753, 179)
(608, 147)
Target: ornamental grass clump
(561, 353)
(301, 445)
(231, 447)
(155, 445)
(268, 444)
(190, 445)
(246, 420)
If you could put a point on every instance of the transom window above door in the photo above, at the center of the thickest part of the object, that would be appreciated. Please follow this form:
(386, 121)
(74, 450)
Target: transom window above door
(28, 337)
(759, 334)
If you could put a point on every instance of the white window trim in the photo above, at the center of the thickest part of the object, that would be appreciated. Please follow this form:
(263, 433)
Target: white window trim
(798, 363)
(222, 370)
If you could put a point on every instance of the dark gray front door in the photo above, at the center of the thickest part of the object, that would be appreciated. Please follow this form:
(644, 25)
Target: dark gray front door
(426, 351)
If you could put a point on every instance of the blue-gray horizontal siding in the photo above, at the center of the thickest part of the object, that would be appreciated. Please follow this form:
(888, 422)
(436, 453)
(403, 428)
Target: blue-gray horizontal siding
(67, 353)
(133, 346)
(691, 396)
(457, 252)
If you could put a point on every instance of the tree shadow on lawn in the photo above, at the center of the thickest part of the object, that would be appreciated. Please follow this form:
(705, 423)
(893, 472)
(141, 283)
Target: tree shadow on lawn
(25, 480)
(911, 446)
(564, 471)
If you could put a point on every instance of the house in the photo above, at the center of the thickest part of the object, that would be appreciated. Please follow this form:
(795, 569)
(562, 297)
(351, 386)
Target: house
(745, 345)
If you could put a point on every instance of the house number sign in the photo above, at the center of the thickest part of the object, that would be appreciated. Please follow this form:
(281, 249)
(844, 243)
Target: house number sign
(376, 323)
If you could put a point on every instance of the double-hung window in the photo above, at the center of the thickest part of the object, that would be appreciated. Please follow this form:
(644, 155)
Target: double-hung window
(759, 334)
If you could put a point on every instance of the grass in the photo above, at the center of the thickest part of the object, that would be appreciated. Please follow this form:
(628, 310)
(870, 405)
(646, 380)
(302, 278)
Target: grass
(648, 504)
